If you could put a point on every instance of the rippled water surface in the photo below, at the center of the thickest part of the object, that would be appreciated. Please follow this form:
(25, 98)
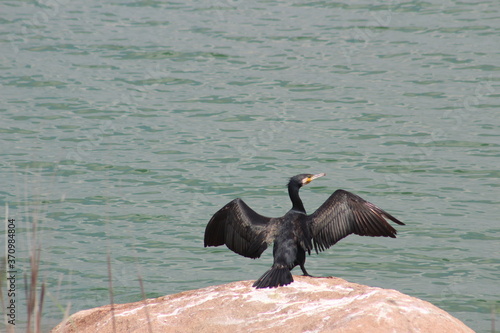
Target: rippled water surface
(126, 124)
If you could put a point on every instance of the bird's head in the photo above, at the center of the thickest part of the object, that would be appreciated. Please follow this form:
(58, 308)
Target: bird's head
(303, 179)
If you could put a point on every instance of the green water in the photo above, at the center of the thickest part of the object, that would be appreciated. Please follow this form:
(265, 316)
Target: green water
(126, 125)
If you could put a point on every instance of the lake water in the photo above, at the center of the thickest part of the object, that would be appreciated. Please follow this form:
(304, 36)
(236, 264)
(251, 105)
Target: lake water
(125, 125)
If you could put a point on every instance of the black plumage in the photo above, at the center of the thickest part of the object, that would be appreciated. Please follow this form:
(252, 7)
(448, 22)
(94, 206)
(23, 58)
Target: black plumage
(248, 233)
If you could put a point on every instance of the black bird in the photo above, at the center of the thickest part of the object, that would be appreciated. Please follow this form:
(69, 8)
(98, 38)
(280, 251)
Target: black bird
(248, 233)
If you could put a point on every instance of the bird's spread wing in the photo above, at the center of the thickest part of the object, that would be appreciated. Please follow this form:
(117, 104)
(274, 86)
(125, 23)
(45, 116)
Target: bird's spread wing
(345, 213)
(239, 227)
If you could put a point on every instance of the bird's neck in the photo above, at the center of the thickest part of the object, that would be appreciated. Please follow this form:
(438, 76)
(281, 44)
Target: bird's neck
(296, 201)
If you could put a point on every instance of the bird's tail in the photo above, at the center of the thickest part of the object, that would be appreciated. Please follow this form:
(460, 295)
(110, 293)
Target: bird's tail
(275, 277)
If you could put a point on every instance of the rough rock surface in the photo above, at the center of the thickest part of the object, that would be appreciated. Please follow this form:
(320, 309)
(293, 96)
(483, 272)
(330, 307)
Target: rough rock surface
(307, 305)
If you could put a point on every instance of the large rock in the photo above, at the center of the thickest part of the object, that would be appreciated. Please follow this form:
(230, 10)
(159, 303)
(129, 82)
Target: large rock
(307, 305)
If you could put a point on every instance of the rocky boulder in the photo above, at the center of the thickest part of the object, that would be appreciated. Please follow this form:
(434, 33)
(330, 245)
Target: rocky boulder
(307, 305)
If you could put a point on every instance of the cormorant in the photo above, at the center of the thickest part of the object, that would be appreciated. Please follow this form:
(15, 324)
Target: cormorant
(248, 233)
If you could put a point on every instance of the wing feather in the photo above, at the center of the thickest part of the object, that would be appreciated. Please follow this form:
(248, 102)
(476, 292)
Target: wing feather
(345, 213)
(239, 227)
